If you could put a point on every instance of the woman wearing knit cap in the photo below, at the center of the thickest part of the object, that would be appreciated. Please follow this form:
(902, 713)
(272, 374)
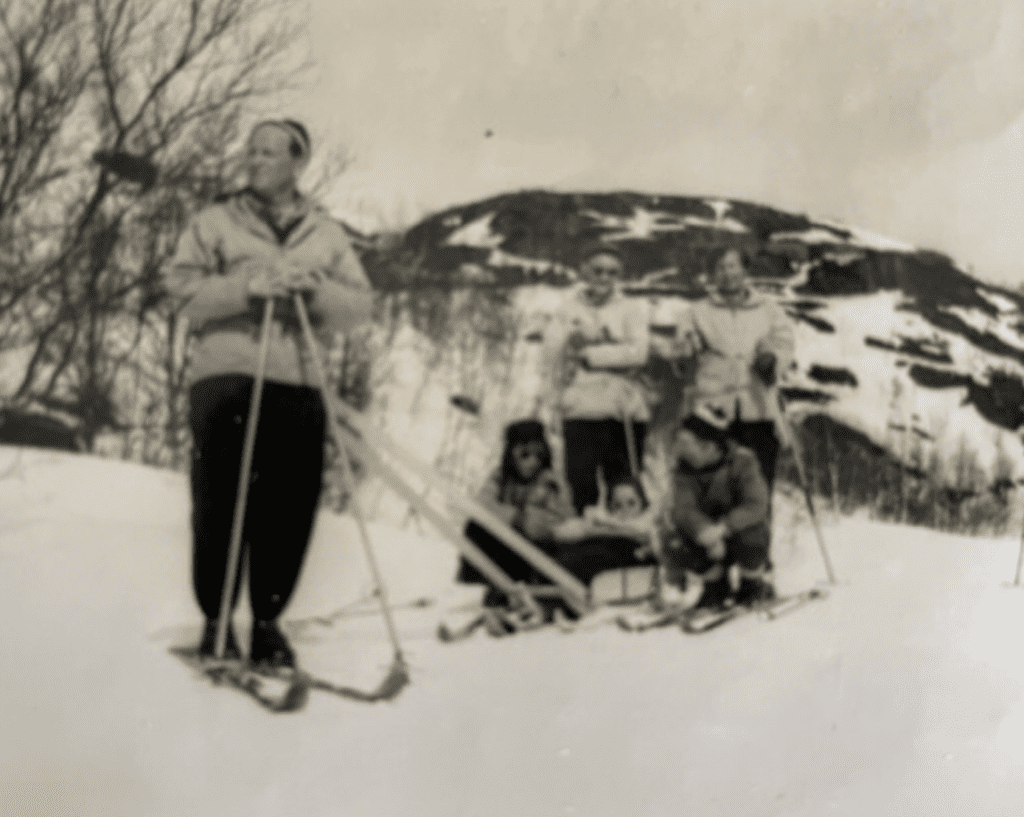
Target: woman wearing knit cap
(719, 513)
(267, 241)
(525, 493)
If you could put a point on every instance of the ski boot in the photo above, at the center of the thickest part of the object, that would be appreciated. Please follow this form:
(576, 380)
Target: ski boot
(753, 591)
(494, 598)
(269, 647)
(208, 645)
(715, 594)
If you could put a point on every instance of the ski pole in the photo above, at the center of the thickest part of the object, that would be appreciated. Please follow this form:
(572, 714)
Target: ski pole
(244, 477)
(1020, 559)
(631, 452)
(634, 469)
(789, 439)
(346, 475)
(575, 592)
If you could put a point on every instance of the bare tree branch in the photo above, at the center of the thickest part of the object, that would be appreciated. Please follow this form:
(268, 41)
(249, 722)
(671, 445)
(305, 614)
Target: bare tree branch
(80, 251)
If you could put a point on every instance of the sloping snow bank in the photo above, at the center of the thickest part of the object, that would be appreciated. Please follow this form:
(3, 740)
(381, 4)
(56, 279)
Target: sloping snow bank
(899, 695)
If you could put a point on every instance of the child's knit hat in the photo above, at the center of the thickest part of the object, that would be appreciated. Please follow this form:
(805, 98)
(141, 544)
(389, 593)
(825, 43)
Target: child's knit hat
(707, 423)
(524, 431)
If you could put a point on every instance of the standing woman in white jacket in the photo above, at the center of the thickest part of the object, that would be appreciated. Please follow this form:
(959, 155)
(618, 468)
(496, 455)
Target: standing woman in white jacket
(742, 341)
(267, 241)
(593, 345)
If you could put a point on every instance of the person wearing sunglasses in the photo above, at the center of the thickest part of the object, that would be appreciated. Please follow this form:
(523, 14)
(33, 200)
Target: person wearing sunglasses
(600, 337)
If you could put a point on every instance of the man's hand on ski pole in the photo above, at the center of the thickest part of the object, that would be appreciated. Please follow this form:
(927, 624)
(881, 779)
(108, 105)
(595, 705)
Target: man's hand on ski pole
(265, 281)
(301, 280)
(269, 281)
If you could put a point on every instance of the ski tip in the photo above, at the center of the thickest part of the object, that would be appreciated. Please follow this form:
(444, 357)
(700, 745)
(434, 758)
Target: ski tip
(496, 625)
(397, 679)
(451, 635)
(563, 623)
(293, 700)
(204, 663)
(699, 623)
(444, 632)
(275, 691)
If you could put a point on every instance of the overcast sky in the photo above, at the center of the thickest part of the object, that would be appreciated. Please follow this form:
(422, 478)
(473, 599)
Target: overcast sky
(904, 117)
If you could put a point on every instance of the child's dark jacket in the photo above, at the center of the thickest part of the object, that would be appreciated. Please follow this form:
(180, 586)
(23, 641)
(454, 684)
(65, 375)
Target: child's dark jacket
(733, 492)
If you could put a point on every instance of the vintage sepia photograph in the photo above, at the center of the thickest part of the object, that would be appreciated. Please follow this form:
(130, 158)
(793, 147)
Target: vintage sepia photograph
(538, 409)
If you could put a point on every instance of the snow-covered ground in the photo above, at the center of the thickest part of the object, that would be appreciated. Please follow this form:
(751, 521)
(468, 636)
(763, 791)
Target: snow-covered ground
(899, 695)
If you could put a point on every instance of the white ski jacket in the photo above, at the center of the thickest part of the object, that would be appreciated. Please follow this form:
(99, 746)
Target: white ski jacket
(618, 341)
(726, 338)
(217, 254)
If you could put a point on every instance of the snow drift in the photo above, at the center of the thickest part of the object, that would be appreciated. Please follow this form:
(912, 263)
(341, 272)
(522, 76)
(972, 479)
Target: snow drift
(898, 695)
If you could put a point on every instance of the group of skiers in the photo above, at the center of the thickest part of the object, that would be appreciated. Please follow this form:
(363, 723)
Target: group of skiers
(593, 515)
(270, 243)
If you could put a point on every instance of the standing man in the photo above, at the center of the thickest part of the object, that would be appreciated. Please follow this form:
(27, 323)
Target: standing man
(591, 347)
(741, 341)
(268, 241)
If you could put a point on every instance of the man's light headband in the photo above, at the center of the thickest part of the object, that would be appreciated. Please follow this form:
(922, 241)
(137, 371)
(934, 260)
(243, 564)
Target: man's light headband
(297, 135)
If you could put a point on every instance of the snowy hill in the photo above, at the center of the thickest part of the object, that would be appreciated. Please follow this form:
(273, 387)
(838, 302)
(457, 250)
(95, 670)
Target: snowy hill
(893, 341)
(899, 695)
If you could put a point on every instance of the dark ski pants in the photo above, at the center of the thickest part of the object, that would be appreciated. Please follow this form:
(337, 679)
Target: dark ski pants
(590, 444)
(747, 548)
(596, 554)
(284, 491)
(760, 438)
(512, 563)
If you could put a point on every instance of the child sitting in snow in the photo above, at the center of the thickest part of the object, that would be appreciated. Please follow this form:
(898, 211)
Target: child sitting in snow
(719, 512)
(617, 534)
(525, 493)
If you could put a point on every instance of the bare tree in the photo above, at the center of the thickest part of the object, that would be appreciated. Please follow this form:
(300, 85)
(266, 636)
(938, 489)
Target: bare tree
(165, 84)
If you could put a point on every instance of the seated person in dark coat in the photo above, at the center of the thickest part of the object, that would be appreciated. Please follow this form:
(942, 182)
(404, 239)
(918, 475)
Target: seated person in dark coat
(719, 514)
(528, 495)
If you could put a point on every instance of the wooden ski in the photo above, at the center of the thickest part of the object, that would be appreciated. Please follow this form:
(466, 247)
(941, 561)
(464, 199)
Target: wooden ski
(358, 439)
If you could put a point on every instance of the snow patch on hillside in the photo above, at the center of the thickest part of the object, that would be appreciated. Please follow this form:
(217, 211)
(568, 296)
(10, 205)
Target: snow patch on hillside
(860, 237)
(885, 394)
(644, 223)
(477, 233)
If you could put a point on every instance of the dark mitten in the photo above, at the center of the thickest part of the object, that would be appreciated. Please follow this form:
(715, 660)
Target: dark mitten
(575, 342)
(574, 346)
(574, 359)
(764, 368)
